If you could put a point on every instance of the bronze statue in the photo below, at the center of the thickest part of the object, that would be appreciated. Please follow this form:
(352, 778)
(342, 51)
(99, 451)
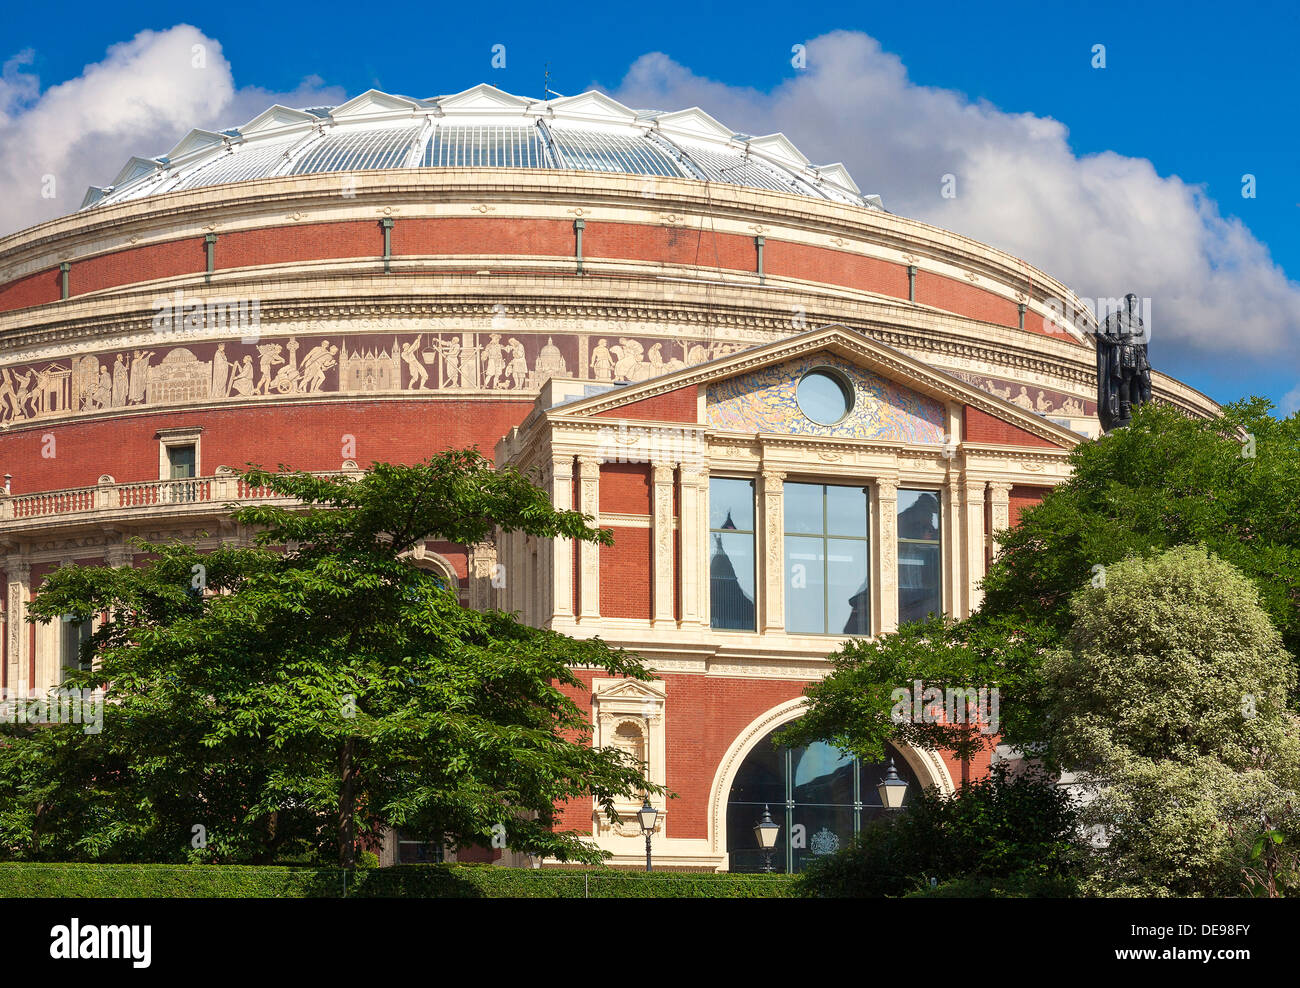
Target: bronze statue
(1123, 372)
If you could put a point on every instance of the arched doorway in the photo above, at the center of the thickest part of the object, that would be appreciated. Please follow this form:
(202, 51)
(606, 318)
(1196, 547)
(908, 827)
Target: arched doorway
(819, 796)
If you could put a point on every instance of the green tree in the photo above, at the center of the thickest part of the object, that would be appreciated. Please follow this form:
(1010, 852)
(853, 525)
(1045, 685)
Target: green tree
(306, 697)
(1009, 825)
(1231, 484)
(868, 697)
(1172, 696)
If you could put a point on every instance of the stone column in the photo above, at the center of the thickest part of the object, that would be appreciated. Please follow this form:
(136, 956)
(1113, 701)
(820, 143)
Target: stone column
(886, 535)
(954, 593)
(559, 552)
(704, 544)
(119, 555)
(1000, 494)
(661, 536)
(19, 576)
(588, 553)
(973, 495)
(694, 490)
(483, 576)
(771, 552)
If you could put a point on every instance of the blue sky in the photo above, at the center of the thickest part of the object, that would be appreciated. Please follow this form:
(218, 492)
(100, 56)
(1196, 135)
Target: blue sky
(1205, 93)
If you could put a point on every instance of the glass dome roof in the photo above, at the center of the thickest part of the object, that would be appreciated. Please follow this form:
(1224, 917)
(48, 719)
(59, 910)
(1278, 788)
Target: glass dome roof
(482, 127)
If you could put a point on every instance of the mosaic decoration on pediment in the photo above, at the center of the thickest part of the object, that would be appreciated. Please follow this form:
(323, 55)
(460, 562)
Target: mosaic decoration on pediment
(765, 401)
(469, 363)
(1030, 397)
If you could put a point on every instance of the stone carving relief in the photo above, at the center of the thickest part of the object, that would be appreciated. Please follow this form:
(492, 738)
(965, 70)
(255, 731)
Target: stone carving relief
(1044, 401)
(474, 362)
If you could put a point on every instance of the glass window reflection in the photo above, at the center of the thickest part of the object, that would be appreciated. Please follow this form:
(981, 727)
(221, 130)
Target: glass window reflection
(920, 572)
(731, 560)
(819, 795)
(827, 560)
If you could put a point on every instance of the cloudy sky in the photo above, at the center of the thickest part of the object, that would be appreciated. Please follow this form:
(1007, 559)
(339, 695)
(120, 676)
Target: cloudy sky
(1120, 177)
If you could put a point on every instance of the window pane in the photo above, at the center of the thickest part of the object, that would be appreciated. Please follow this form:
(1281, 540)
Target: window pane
(73, 635)
(918, 515)
(805, 585)
(731, 504)
(846, 511)
(731, 581)
(823, 397)
(803, 508)
(181, 459)
(848, 599)
(918, 582)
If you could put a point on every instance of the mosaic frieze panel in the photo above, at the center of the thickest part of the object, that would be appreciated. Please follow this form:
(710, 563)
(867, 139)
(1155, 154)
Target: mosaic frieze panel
(175, 371)
(765, 401)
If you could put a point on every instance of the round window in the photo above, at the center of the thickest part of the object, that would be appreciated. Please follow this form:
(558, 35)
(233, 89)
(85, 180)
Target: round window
(824, 396)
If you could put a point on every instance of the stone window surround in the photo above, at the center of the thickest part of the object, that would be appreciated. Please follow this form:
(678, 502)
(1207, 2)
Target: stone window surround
(965, 496)
(184, 436)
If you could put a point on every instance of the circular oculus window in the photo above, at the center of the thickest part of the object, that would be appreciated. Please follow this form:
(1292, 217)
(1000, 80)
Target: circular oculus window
(824, 396)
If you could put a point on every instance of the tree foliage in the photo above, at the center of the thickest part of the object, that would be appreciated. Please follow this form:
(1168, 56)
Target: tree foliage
(1172, 696)
(1230, 483)
(856, 707)
(1010, 824)
(300, 699)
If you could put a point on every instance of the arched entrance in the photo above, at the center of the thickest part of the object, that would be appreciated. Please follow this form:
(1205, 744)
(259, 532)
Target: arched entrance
(819, 796)
(730, 834)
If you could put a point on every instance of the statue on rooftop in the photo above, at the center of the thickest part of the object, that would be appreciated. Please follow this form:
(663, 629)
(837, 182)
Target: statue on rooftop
(1123, 372)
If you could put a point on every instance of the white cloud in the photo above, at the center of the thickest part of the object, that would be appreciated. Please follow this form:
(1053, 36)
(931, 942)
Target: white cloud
(1290, 403)
(143, 97)
(1104, 224)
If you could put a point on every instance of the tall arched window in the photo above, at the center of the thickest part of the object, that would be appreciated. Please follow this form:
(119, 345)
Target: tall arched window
(819, 796)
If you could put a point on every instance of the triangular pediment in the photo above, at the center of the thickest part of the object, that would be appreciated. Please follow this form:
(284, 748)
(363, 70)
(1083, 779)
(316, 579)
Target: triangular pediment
(628, 689)
(592, 106)
(134, 169)
(277, 118)
(693, 123)
(373, 104)
(891, 397)
(838, 174)
(194, 141)
(780, 148)
(483, 99)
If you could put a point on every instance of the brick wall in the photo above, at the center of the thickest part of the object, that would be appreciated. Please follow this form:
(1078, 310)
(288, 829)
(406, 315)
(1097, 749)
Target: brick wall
(506, 237)
(681, 405)
(980, 427)
(300, 435)
(625, 488)
(1023, 497)
(626, 588)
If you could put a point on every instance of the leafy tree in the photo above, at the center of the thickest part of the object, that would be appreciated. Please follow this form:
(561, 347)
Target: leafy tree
(1231, 484)
(313, 695)
(1172, 659)
(1009, 825)
(858, 707)
(1172, 695)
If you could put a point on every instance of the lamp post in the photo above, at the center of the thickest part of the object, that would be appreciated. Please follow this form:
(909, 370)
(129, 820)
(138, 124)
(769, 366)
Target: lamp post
(892, 788)
(765, 831)
(647, 815)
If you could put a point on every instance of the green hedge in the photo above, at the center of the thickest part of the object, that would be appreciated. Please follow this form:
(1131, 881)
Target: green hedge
(404, 881)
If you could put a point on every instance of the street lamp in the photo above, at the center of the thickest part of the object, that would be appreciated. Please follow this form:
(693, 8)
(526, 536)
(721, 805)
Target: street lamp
(765, 832)
(647, 815)
(892, 788)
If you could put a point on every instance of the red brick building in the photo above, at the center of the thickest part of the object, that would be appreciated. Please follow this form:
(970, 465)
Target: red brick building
(802, 416)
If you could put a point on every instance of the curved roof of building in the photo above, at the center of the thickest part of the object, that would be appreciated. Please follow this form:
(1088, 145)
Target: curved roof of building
(481, 127)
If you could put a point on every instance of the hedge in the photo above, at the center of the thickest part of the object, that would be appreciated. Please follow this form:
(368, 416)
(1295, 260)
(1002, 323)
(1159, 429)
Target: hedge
(134, 881)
